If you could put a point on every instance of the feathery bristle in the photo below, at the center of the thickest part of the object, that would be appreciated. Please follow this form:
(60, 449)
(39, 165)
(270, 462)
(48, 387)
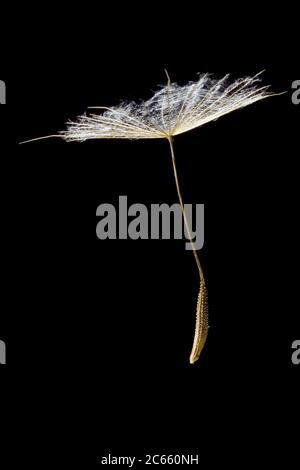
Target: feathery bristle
(172, 110)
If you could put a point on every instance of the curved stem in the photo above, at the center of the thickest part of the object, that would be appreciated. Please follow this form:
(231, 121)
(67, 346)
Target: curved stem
(186, 223)
(201, 329)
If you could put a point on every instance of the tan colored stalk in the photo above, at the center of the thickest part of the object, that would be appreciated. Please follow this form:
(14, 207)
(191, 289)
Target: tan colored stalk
(201, 329)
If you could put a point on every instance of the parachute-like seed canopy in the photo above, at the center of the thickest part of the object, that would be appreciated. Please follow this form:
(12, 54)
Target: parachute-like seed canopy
(172, 110)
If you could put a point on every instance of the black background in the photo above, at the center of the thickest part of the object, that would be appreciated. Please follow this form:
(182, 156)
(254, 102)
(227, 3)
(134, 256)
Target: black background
(99, 333)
